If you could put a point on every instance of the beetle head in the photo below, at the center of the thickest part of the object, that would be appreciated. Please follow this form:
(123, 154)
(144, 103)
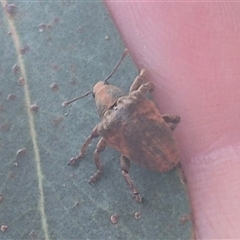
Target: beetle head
(105, 94)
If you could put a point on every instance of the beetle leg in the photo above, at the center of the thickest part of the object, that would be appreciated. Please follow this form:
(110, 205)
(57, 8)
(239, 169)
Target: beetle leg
(125, 166)
(147, 87)
(83, 149)
(100, 148)
(182, 174)
(171, 120)
(139, 80)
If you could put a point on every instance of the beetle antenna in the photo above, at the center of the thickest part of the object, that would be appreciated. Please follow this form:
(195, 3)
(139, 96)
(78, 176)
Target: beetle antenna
(116, 67)
(64, 104)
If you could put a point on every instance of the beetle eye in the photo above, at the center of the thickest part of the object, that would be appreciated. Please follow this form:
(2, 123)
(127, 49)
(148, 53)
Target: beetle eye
(114, 106)
(93, 95)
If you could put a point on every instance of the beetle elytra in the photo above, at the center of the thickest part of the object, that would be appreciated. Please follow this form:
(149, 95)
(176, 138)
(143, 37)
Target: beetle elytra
(133, 126)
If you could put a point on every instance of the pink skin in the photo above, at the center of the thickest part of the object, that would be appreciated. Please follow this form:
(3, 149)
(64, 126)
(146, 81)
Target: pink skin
(192, 54)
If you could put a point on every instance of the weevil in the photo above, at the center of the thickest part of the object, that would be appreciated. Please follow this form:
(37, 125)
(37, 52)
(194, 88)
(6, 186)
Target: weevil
(133, 126)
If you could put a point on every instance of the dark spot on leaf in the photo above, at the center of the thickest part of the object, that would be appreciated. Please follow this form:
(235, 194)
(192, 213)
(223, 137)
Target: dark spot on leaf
(73, 80)
(21, 152)
(57, 120)
(56, 21)
(4, 228)
(33, 234)
(80, 29)
(11, 97)
(55, 66)
(73, 68)
(114, 219)
(48, 39)
(42, 27)
(34, 107)
(5, 127)
(137, 215)
(1, 108)
(184, 219)
(11, 9)
(24, 50)
(10, 175)
(54, 87)
(21, 81)
(49, 26)
(16, 69)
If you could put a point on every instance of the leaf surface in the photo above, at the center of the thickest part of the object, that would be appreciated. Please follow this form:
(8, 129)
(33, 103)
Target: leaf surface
(62, 49)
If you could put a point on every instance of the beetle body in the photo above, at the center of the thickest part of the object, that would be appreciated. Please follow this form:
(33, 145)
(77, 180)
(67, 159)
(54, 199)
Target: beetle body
(135, 128)
(132, 125)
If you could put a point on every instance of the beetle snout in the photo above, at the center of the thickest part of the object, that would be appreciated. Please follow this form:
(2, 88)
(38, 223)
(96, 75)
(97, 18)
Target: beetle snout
(98, 87)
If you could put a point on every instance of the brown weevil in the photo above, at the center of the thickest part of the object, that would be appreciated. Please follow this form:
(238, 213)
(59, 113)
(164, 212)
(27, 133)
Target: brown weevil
(133, 126)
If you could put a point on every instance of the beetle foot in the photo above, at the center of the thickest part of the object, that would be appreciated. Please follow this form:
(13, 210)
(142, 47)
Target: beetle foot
(94, 178)
(143, 72)
(74, 160)
(137, 197)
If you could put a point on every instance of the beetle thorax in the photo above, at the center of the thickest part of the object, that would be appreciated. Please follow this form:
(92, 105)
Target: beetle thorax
(105, 96)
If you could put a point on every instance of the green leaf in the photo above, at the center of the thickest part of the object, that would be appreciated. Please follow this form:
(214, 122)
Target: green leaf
(62, 49)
